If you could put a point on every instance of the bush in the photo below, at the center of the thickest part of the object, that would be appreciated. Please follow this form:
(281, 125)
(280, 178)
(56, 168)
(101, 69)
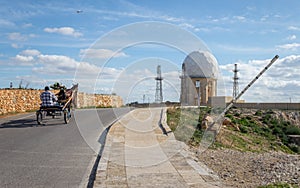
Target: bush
(230, 116)
(278, 185)
(258, 113)
(244, 129)
(292, 130)
(277, 131)
(295, 148)
(244, 121)
(266, 119)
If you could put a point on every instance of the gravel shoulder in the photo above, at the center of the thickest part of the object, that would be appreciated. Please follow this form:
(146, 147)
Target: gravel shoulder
(248, 169)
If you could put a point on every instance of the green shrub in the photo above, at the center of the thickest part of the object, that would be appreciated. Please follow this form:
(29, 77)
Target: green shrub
(248, 117)
(292, 130)
(258, 113)
(277, 131)
(230, 116)
(244, 121)
(295, 148)
(244, 129)
(237, 114)
(278, 185)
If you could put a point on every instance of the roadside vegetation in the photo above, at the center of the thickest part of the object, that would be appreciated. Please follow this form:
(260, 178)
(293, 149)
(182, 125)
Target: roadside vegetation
(249, 130)
(279, 185)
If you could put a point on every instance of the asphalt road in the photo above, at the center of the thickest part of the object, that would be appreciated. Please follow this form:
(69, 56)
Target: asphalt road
(53, 155)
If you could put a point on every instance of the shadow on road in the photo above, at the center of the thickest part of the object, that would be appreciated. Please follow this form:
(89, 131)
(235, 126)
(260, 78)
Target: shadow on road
(21, 123)
(24, 123)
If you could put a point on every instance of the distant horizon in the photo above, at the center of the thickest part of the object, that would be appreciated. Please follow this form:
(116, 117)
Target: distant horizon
(164, 101)
(104, 43)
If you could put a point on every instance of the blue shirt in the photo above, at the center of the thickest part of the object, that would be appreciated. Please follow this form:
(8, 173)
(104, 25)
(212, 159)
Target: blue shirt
(48, 98)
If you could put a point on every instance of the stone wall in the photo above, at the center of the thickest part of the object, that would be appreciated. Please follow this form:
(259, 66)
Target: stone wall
(265, 106)
(19, 100)
(97, 100)
(22, 100)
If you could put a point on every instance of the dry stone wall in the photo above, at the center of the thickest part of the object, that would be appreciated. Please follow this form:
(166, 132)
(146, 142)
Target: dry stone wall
(19, 100)
(22, 100)
(97, 100)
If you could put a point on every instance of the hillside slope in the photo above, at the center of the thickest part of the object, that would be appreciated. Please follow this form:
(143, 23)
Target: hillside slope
(252, 150)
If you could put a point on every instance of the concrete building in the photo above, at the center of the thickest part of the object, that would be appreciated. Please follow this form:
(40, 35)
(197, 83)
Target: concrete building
(199, 78)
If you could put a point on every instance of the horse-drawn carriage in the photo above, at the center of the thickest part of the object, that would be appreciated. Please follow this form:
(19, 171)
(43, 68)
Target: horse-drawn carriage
(61, 108)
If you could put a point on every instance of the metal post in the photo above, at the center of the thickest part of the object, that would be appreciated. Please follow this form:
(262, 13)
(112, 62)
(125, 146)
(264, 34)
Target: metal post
(240, 94)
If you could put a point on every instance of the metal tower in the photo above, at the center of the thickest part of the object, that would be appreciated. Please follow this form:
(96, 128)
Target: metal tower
(235, 90)
(158, 93)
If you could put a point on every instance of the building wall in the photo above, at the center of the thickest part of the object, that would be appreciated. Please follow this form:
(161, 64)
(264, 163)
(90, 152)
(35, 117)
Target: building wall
(22, 100)
(220, 101)
(190, 93)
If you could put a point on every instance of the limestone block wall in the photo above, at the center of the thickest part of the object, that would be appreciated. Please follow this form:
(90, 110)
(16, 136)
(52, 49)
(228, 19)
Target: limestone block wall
(19, 100)
(98, 100)
(22, 100)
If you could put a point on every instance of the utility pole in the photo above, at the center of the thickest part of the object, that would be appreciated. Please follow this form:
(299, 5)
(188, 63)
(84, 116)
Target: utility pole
(235, 90)
(158, 93)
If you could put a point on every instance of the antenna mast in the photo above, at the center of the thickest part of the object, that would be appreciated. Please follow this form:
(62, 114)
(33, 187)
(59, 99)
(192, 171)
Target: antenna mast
(158, 93)
(235, 90)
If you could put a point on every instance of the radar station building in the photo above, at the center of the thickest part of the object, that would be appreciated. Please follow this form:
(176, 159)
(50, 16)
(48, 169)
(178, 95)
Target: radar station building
(198, 79)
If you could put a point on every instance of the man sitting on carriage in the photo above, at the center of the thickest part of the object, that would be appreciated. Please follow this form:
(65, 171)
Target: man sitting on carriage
(48, 98)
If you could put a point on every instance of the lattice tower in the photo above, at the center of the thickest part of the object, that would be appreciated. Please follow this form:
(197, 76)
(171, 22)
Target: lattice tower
(158, 93)
(235, 90)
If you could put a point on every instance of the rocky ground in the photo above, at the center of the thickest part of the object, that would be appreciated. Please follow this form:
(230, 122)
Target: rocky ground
(247, 169)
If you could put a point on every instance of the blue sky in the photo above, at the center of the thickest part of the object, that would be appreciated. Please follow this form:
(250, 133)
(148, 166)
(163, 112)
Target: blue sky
(43, 42)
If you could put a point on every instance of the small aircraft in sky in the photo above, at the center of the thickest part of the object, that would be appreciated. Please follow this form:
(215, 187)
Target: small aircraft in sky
(79, 11)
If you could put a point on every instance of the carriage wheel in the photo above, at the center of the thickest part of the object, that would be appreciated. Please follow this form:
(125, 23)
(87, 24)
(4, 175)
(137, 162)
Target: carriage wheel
(67, 115)
(39, 117)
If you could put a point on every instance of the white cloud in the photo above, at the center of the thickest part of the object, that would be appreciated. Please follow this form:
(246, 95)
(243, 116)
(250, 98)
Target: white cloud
(135, 11)
(240, 18)
(59, 64)
(46, 65)
(24, 58)
(64, 31)
(17, 36)
(294, 28)
(6, 23)
(264, 18)
(186, 26)
(27, 25)
(281, 80)
(14, 45)
(292, 37)
(291, 46)
(31, 52)
(101, 53)
(244, 49)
